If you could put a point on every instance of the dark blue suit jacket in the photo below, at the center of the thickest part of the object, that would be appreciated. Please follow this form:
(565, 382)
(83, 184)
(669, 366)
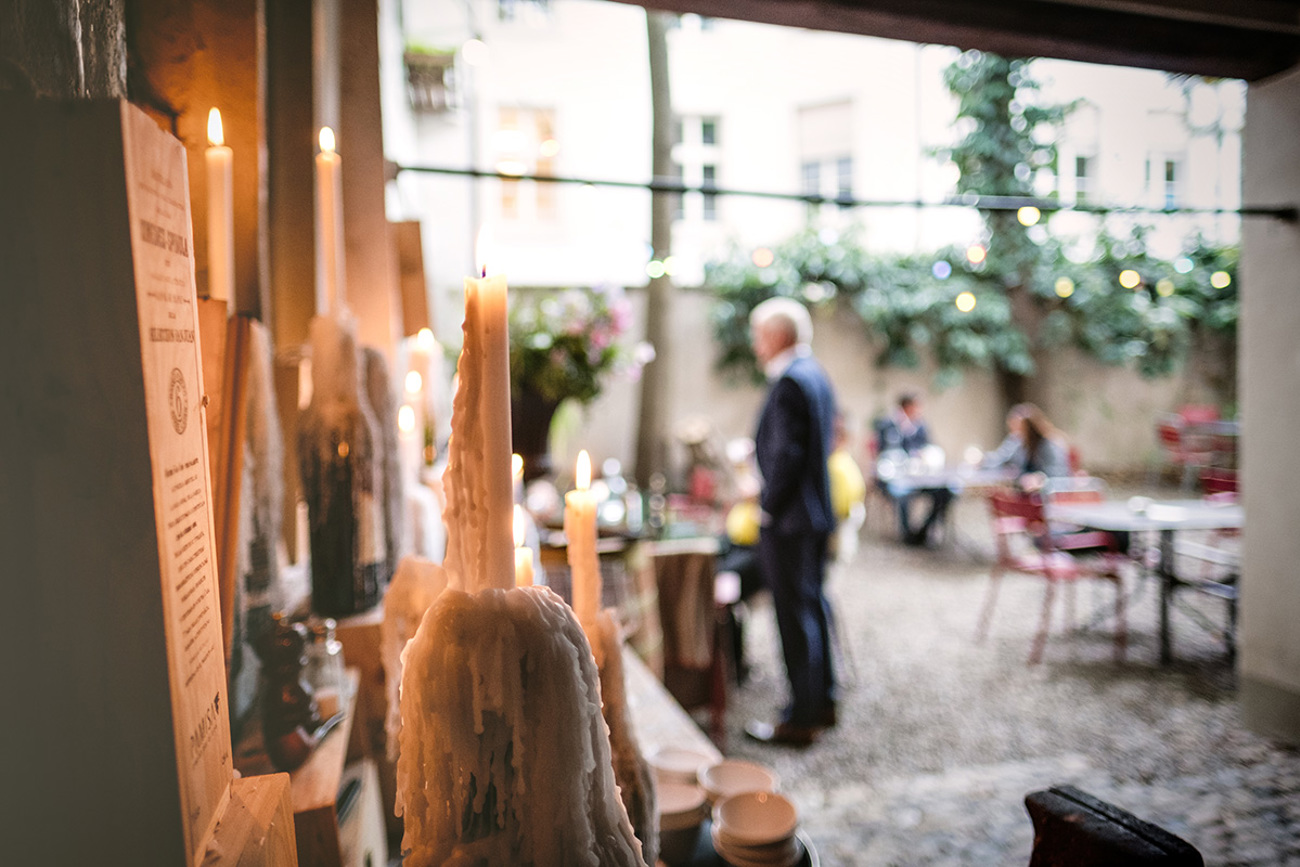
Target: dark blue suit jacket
(890, 436)
(791, 447)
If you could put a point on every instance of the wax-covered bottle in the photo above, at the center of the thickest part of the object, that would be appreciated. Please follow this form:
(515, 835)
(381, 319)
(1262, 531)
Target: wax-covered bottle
(342, 478)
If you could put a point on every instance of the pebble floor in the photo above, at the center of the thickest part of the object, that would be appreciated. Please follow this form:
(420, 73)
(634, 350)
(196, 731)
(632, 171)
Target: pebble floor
(940, 737)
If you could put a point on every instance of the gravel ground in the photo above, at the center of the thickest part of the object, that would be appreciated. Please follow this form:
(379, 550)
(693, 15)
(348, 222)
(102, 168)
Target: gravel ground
(941, 738)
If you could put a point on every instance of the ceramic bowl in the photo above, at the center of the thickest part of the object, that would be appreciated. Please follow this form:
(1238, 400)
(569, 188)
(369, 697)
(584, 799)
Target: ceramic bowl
(680, 805)
(678, 764)
(755, 819)
(734, 776)
(784, 854)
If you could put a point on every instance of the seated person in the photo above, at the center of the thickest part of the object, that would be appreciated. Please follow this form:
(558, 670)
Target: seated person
(1033, 448)
(904, 431)
(1036, 450)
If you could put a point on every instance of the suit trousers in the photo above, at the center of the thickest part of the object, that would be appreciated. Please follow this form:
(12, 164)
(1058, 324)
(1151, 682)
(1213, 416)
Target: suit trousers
(794, 567)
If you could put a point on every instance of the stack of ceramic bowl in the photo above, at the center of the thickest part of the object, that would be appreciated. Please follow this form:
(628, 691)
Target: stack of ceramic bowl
(757, 829)
(735, 776)
(678, 764)
(682, 811)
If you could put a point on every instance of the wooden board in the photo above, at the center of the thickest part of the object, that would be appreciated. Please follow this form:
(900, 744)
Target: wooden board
(411, 279)
(225, 376)
(158, 209)
(115, 682)
(256, 830)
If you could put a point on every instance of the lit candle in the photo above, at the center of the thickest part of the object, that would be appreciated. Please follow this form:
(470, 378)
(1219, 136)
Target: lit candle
(410, 439)
(480, 502)
(418, 384)
(580, 534)
(329, 225)
(221, 214)
(523, 554)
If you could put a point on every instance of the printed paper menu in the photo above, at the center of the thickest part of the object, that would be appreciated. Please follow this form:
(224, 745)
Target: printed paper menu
(162, 251)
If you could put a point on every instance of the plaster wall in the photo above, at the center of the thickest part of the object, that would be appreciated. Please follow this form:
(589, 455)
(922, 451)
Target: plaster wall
(1105, 411)
(1270, 369)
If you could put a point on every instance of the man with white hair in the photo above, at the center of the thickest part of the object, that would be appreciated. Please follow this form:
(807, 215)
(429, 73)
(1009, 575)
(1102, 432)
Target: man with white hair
(791, 447)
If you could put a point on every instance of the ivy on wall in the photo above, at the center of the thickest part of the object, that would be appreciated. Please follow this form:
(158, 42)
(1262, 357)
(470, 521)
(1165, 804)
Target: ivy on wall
(1031, 291)
(907, 304)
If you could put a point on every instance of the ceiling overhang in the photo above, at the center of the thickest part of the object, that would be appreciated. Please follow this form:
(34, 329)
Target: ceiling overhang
(1250, 39)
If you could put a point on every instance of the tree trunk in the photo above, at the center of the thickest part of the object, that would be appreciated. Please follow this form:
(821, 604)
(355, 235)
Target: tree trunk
(652, 432)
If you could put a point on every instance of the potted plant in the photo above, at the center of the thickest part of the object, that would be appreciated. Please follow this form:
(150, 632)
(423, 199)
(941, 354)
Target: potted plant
(564, 344)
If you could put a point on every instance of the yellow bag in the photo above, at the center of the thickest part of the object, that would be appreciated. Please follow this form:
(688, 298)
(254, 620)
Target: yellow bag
(742, 523)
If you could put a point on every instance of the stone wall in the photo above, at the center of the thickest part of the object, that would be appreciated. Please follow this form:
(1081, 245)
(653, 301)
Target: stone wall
(64, 48)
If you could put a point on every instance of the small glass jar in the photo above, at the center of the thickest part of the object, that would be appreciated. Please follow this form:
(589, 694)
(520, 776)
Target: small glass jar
(324, 670)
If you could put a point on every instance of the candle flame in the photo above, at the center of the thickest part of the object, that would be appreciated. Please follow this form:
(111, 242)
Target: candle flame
(414, 382)
(520, 527)
(326, 140)
(216, 138)
(481, 245)
(582, 477)
(406, 418)
(424, 339)
(517, 467)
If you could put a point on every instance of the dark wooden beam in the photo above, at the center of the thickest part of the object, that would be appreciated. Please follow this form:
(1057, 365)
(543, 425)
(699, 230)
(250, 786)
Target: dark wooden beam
(1252, 42)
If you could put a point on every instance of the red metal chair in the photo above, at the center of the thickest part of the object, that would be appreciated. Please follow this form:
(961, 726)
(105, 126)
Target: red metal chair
(1220, 554)
(1219, 484)
(1026, 543)
(1075, 460)
(1184, 448)
(1198, 413)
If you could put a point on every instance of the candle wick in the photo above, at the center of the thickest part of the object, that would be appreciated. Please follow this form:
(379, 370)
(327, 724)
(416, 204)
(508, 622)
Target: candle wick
(483, 272)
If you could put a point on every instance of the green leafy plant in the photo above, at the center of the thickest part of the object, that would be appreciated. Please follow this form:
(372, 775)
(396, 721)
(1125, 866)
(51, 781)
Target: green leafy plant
(1030, 297)
(563, 344)
(907, 303)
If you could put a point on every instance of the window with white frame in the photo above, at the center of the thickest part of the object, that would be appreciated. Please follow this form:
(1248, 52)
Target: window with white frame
(525, 144)
(826, 152)
(844, 178)
(1082, 140)
(1166, 130)
(710, 200)
(678, 200)
(697, 157)
(1173, 177)
(810, 178)
(523, 10)
(689, 22)
(1163, 178)
(1085, 179)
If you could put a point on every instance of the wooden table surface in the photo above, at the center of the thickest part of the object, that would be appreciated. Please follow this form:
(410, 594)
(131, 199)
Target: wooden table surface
(660, 721)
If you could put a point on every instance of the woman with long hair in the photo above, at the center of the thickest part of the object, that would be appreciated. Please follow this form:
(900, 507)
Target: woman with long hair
(1032, 445)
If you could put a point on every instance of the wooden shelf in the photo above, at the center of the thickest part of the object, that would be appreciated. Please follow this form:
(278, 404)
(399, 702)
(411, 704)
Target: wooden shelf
(315, 788)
